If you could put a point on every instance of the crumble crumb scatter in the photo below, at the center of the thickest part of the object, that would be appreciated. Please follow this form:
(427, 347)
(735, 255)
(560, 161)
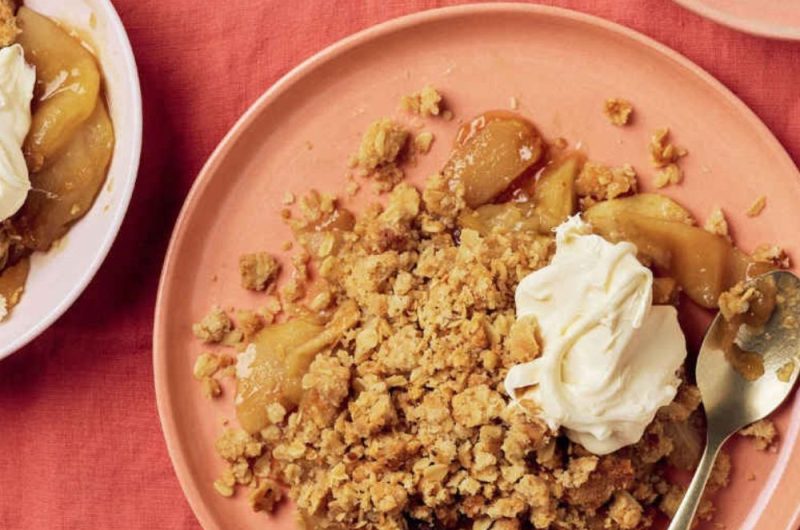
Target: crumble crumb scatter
(717, 224)
(757, 207)
(763, 433)
(600, 182)
(618, 111)
(513, 103)
(288, 198)
(258, 270)
(213, 327)
(426, 102)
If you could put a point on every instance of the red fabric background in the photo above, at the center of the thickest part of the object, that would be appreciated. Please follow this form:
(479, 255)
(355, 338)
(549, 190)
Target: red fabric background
(80, 441)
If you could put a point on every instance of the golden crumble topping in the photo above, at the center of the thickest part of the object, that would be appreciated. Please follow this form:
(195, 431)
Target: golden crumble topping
(435, 336)
(258, 270)
(426, 102)
(618, 111)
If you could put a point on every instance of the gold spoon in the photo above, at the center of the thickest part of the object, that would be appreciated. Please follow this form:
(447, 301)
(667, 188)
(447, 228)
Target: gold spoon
(732, 401)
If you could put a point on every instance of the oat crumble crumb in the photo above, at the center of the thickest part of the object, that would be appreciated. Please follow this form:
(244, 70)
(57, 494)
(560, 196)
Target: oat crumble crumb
(618, 111)
(625, 510)
(206, 365)
(771, 254)
(8, 23)
(210, 387)
(381, 152)
(288, 198)
(736, 300)
(757, 207)
(258, 270)
(426, 102)
(717, 224)
(663, 153)
(213, 327)
(423, 141)
(600, 182)
(671, 174)
(763, 433)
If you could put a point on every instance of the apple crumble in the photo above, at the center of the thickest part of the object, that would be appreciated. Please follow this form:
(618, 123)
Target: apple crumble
(372, 391)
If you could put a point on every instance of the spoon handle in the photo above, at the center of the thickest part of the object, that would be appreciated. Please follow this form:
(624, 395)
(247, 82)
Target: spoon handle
(686, 511)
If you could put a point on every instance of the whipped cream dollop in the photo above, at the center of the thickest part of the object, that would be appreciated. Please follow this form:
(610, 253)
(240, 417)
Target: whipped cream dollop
(16, 91)
(609, 357)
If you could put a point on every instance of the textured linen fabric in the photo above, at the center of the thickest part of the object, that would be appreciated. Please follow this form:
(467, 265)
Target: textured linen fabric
(80, 441)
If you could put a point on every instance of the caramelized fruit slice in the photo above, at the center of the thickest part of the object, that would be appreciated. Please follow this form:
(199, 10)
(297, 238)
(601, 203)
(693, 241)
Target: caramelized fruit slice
(65, 190)
(646, 204)
(553, 201)
(67, 86)
(12, 282)
(554, 196)
(283, 354)
(491, 152)
(703, 264)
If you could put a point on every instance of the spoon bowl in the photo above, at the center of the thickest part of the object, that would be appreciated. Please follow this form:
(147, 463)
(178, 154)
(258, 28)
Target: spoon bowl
(733, 397)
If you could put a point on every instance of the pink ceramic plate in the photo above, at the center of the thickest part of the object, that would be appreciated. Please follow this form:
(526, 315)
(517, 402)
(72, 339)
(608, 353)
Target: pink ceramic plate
(778, 19)
(561, 66)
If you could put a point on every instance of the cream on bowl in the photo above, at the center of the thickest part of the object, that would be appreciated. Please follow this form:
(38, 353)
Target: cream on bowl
(59, 276)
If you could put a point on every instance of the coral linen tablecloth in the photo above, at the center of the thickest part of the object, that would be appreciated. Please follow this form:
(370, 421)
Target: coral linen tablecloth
(80, 441)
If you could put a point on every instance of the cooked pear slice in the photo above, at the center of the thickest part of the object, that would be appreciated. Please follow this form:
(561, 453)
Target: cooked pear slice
(67, 86)
(491, 152)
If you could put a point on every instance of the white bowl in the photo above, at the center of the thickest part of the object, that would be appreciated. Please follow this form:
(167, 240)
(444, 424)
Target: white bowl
(58, 277)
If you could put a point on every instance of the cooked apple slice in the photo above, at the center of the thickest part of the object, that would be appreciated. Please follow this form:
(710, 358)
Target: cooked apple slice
(703, 264)
(491, 152)
(283, 353)
(12, 283)
(67, 86)
(646, 204)
(64, 191)
(554, 195)
(275, 373)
